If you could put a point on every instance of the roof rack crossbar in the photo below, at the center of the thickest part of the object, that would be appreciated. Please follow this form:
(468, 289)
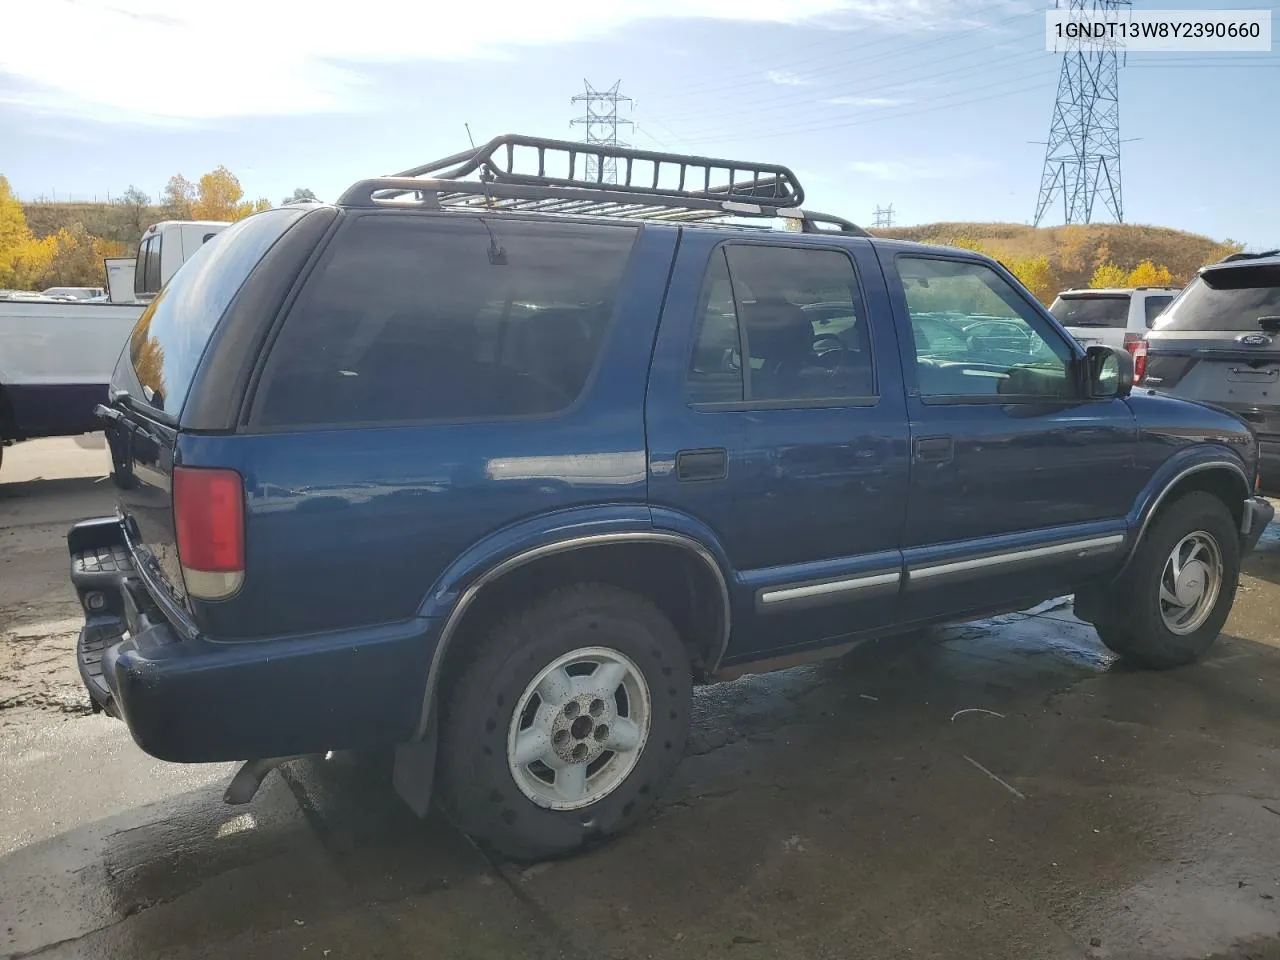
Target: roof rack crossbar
(494, 177)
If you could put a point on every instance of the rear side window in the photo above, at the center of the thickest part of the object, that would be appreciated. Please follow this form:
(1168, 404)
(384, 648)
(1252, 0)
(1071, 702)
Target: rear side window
(146, 274)
(169, 339)
(1232, 298)
(797, 314)
(416, 318)
(1110, 310)
(1154, 306)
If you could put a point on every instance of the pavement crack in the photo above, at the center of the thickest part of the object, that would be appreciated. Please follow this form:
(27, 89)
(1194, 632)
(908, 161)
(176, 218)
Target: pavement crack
(541, 916)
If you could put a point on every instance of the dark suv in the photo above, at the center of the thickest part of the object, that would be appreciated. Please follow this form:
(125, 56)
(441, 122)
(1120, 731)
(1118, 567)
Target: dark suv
(1219, 343)
(491, 466)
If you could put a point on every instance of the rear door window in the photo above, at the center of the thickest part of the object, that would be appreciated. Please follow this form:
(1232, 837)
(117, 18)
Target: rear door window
(1231, 298)
(170, 336)
(1100, 310)
(797, 312)
(414, 318)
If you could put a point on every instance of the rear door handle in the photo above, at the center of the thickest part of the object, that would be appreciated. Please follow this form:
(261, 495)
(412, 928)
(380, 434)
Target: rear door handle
(702, 464)
(933, 449)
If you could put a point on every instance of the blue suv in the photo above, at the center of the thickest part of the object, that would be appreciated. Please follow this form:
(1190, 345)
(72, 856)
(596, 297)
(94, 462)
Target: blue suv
(490, 462)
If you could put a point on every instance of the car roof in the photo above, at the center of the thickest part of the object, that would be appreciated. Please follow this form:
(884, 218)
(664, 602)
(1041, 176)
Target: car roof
(1270, 258)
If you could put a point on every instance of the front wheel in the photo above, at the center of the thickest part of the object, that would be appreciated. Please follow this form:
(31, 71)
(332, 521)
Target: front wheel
(1171, 604)
(566, 723)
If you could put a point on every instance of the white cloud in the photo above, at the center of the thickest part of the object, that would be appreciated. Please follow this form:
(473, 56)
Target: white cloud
(921, 168)
(866, 101)
(179, 61)
(165, 60)
(786, 78)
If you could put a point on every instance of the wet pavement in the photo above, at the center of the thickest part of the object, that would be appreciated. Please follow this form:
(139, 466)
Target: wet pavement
(993, 790)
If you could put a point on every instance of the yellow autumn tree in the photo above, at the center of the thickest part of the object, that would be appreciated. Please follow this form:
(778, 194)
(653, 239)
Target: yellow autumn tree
(23, 259)
(1109, 275)
(248, 208)
(1036, 275)
(1147, 274)
(13, 224)
(220, 194)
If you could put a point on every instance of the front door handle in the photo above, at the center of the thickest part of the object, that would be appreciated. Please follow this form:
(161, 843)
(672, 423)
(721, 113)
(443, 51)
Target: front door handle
(933, 449)
(702, 465)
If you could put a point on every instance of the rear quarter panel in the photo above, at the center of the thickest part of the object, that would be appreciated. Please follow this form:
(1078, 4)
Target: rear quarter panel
(353, 526)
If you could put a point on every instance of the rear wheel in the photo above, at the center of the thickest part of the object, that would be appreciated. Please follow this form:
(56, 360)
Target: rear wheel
(566, 723)
(1171, 604)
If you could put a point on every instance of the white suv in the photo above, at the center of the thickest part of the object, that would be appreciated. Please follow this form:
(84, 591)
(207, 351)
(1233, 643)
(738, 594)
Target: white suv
(1114, 317)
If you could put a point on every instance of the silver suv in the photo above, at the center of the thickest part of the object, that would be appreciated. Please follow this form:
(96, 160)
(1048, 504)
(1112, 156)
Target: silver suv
(1113, 317)
(1219, 343)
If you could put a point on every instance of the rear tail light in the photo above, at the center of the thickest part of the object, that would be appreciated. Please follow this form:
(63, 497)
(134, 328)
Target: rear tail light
(1136, 344)
(208, 514)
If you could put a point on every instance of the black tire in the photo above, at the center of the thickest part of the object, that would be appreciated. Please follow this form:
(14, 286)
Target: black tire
(1129, 621)
(478, 789)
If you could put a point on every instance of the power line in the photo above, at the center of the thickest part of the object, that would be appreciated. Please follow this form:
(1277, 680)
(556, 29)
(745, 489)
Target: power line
(944, 104)
(1082, 156)
(845, 52)
(884, 216)
(601, 122)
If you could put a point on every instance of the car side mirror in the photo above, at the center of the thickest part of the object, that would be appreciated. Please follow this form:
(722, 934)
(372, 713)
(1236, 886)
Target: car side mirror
(1108, 372)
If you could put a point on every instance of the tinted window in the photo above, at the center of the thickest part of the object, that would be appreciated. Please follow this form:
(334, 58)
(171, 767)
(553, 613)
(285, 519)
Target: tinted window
(170, 337)
(975, 336)
(1233, 298)
(800, 315)
(423, 318)
(146, 274)
(715, 369)
(1110, 310)
(1154, 306)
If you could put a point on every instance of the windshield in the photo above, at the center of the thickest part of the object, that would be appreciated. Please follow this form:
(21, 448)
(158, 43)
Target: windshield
(1099, 310)
(1233, 298)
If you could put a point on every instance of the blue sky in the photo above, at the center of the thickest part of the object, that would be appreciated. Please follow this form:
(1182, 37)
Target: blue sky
(931, 105)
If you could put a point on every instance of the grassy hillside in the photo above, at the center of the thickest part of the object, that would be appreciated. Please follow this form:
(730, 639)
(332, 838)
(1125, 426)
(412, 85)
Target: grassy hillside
(110, 221)
(1075, 252)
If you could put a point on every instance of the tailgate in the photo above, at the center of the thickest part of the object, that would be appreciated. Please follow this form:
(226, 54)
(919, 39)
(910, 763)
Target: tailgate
(1240, 374)
(142, 466)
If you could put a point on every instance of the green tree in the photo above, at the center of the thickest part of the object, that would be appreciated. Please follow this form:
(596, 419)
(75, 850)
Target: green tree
(300, 194)
(130, 215)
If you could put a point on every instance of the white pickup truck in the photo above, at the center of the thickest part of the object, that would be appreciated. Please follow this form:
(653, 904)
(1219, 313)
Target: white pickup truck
(56, 356)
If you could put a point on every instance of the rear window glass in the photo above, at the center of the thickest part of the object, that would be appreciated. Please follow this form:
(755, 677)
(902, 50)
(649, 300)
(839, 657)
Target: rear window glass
(1234, 298)
(170, 336)
(1110, 311)
(445, 318)
(1154, 306)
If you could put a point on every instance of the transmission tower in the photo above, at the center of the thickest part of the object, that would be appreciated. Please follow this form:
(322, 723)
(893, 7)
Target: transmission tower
(601, 122)
(1082, 157)
(884, 216)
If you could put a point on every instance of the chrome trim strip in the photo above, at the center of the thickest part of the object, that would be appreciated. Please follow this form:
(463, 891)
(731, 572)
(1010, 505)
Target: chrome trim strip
(1000, 559)
(550, 549)
(846, 585)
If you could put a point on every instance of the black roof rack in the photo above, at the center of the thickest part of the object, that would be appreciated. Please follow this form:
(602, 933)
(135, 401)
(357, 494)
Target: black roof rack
(1233, 257)
(534, 174)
